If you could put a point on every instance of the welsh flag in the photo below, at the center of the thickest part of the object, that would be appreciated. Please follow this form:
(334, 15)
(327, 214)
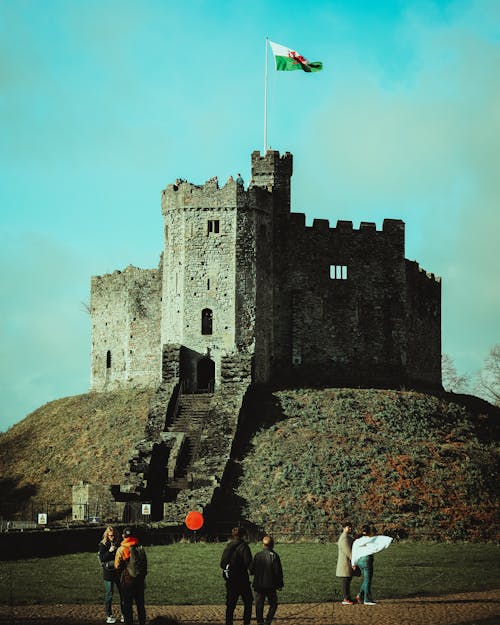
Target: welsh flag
(288, 60)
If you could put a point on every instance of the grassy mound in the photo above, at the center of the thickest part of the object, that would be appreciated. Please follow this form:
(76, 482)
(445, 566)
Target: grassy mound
(413, 464)
(85, 437)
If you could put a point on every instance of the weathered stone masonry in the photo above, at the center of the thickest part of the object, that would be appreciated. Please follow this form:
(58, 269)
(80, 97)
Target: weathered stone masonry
(242, 280)
(125, 313)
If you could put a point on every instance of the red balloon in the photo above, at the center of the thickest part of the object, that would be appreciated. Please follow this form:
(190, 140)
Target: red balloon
(194, 520)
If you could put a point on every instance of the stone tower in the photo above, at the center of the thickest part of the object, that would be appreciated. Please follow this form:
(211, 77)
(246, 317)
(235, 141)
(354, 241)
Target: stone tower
(241, 273)
(218, 269)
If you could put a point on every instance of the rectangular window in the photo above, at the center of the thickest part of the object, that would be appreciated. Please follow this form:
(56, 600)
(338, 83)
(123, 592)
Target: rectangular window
(338, 272)
(213, 226)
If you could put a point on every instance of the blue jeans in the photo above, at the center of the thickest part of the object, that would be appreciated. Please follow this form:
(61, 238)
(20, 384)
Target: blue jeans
(108, 597)
(366, 565)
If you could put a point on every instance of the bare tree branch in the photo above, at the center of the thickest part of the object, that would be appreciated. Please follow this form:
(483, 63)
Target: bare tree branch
(488, 379)
(452, 381)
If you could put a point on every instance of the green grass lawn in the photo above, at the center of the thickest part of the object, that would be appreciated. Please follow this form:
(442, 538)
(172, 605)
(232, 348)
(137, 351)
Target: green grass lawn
(189, 573)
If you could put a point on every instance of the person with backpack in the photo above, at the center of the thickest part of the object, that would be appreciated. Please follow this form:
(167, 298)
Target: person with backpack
(235, 560)
(106, 553)
(132, 566)
(268, 577)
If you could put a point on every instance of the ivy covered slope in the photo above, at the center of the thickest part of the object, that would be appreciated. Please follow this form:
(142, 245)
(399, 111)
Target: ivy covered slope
(86, 437)
(415, 465)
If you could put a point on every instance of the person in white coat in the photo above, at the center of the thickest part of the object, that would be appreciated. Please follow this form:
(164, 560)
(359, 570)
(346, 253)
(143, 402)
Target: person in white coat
(363, 549)
(344, 566)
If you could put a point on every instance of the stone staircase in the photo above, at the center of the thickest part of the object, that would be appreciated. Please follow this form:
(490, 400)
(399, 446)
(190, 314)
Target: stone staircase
(191, 420)
(180, 462)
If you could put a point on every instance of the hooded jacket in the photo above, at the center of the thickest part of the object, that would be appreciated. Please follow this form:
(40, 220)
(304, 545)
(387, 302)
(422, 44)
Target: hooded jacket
(123, 556)
(239, 557)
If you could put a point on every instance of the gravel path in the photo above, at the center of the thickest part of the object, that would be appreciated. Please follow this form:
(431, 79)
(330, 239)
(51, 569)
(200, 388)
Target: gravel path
(478, 608)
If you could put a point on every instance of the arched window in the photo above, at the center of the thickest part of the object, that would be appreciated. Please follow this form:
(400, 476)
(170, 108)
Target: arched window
(108, 360)
(206, 321)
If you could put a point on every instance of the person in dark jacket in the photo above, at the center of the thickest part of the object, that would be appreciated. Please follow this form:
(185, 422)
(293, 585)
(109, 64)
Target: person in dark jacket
(267, 578)
(235, 560)
(107, 552)
(132, 565)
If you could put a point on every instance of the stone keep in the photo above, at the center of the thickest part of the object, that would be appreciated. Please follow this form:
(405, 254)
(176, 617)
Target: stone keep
(240, 273)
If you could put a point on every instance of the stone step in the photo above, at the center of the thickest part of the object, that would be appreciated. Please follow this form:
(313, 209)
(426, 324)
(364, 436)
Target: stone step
(191, 418)
(181, 483)
(183, 424)
(197, 395)
(187, 420)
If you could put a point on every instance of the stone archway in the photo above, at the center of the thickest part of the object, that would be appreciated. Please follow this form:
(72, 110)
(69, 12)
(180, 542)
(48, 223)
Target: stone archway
(205, 371)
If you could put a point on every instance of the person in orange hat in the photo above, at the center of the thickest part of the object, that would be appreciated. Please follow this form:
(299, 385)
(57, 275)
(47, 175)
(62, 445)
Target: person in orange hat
(132, 566)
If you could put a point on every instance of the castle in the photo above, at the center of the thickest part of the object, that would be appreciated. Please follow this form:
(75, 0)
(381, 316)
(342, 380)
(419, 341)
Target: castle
(246, 293)
(241, 273)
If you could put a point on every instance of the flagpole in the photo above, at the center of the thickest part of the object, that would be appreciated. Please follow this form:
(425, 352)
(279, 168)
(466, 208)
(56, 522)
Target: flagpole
(265, 99)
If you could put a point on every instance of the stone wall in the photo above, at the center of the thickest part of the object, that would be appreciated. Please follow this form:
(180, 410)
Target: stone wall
(93, 500)
(343, 304)
(199, 267)
(125, 313)
(423, 295)
(274, 172)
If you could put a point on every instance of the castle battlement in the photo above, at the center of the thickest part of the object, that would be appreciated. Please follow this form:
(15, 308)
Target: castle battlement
(129, 274)
(183, 194)
(389, 226)
(271, 162)
(324, 303)
(419, 272)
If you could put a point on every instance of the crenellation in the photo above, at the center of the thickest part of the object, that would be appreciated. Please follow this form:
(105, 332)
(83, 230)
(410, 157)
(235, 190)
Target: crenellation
(208, 196)
(321, 225)
(344, 226)
(270, 162)
(420, 272)
(297, 220)
(392, 225)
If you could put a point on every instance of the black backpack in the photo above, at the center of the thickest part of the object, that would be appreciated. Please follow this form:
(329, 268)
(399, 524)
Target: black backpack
(137, 565)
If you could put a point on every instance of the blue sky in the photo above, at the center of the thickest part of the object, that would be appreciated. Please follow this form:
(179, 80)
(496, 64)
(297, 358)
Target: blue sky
(103, 103)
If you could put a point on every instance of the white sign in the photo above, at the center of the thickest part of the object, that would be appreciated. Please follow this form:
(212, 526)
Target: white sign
(146, 508)
(42, 519)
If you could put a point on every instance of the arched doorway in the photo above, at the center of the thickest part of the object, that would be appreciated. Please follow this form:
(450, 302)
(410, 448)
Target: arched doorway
(205, 371)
